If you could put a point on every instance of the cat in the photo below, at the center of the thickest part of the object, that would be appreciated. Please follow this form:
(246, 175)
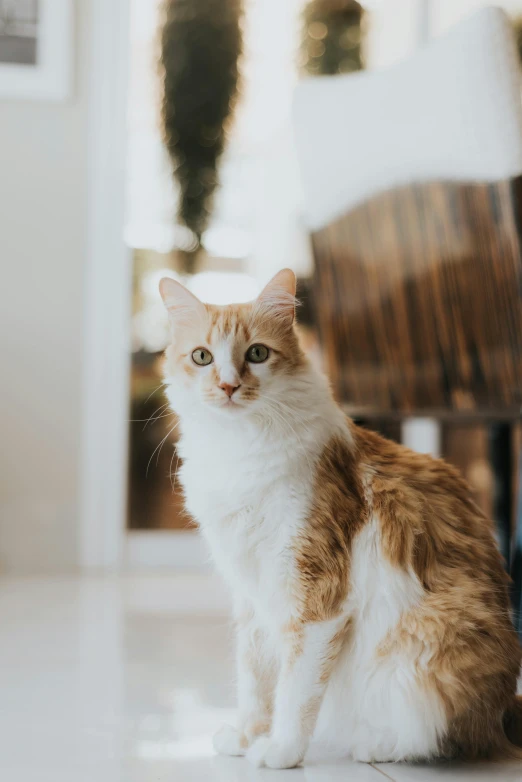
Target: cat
(370, 599)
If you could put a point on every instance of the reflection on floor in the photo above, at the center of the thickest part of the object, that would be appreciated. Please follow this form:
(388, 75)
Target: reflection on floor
(125, 680)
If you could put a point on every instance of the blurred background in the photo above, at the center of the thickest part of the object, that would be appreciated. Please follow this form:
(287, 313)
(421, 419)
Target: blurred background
(172, 147)
(373, 147)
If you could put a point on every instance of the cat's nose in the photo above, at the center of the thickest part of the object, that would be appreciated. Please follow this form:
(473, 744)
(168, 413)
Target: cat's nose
(228, 388)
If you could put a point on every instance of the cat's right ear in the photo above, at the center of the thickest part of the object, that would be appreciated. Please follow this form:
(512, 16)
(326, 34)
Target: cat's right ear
(183, 307)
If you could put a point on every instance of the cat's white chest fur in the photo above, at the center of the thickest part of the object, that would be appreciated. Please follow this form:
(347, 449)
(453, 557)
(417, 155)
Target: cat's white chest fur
(250, 497)
(249, 510)
(373, 706)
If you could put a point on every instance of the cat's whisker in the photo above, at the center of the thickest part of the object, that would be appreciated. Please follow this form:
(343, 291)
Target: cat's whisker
(170, 467)
(174, 477)
(161, 385)
(147, 420)
(159, 447)
(157, 415)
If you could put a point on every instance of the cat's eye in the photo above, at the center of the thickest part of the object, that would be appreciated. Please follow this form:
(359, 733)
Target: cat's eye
(202, 357)
(256, 354)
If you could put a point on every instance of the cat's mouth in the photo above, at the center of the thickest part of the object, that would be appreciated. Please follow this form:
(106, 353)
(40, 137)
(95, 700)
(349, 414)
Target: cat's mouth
(231, 405)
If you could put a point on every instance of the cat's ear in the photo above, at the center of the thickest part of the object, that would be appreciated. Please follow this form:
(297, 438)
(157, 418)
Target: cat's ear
(183, 307)
(278, 297)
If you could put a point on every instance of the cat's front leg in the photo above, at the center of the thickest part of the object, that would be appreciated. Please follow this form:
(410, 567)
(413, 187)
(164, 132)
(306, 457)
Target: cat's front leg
(256, 677)
(309, 652)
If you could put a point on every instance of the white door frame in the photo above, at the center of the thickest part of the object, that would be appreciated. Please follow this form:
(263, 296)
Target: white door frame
(105, 544)
(107, 294)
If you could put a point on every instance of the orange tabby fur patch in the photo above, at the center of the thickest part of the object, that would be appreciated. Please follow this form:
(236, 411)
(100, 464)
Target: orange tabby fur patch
(460, 638)
(323, 551)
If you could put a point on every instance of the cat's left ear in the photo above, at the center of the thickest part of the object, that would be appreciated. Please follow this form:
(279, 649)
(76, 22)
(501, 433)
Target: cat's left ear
(183, 307)
(278, 296)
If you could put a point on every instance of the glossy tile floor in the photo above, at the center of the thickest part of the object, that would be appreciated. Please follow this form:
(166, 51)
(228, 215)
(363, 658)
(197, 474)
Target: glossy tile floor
(126, 680)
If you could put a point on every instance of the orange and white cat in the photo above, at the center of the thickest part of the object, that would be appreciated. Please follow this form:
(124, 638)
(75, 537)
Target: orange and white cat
(370, 599)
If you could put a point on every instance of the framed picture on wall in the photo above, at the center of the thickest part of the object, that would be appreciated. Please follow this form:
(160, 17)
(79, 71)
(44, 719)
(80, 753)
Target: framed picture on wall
(36, 38)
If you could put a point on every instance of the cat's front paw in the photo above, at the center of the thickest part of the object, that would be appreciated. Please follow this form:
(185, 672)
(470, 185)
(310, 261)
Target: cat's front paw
(274, 754)
(229, 741)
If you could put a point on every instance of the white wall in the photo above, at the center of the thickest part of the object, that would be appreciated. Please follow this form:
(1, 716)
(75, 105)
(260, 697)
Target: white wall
(43, 222)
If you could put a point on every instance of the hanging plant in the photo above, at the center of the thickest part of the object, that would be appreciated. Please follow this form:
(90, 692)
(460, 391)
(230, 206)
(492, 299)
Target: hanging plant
(200, 48)
(332, 36)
